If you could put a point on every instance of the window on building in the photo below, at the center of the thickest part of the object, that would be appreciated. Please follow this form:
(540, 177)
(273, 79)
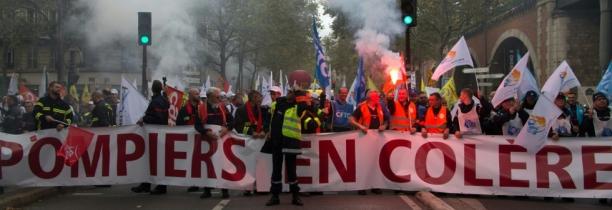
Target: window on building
(10, 58)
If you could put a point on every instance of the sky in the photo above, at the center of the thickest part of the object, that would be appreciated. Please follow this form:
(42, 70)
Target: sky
(326, 21)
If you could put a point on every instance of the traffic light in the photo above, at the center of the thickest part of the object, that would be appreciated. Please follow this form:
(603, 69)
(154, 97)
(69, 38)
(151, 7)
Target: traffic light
(409, 12)
(144, 29)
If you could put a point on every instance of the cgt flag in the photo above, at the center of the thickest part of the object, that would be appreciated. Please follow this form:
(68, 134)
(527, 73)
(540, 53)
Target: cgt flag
(175, 97)
(459, 55)
(76, 144)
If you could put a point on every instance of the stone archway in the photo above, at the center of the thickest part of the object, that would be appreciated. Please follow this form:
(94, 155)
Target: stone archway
(517, 34)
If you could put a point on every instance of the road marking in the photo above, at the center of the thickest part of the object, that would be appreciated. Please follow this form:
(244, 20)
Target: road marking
(473, 203)
(87, 194)
(410, 202)
(222, 204)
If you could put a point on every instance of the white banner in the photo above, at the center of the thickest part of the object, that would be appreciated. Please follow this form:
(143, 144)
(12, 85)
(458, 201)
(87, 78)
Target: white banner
(490, 165)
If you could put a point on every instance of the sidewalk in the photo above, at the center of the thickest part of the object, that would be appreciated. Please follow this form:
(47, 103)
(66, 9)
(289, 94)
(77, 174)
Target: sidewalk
(16, 197)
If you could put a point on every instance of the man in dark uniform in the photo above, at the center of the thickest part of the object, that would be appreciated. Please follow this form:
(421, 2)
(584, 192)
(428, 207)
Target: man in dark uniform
(215, 113)
(13, 117)
(101, 115)
(252, 118)
(284, 143)
(51, 111)
(156, 114)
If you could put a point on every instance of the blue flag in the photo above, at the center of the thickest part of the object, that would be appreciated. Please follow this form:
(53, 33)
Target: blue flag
(360, 85)
(321, 71)
(605, 85)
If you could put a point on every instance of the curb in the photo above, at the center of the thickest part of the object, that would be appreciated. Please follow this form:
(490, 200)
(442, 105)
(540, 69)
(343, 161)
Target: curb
(432, 202)
(26, 196)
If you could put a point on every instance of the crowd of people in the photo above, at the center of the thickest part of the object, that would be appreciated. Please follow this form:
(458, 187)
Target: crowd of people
(283, 122)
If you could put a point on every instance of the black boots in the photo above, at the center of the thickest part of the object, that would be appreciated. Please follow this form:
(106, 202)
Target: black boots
(295, 200)
(273, 200)
(159, 190)
(206, 193)
(224, 193)
(142, 188)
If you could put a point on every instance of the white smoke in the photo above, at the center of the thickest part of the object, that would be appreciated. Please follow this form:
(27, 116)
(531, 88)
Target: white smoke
(378, 21)
(174, 31)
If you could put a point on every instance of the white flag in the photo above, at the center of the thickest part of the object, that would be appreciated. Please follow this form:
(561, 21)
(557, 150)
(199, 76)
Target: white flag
(42, 87)
(265, 91)
(459, 55)
(280, 82)
(509, 87)
(14, 85)
(535, 132)
(528, 83)
(287, 86)
(257, 83)
(351, 94)
(562, 80)
(206, 85)
(132, 105)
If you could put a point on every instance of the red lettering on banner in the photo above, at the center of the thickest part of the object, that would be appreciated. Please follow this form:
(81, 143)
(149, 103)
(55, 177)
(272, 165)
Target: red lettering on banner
(543, 167)
(122, 156)
(590, 167)
(34, 158)
(302, 162)
(198, 157)
(102, 148)
(171, 155)
(16, 154)
(506, 165)
(384, 160)
(327, 151)
(240, 166)
(470, 178)
(450, 163)
(153, 154)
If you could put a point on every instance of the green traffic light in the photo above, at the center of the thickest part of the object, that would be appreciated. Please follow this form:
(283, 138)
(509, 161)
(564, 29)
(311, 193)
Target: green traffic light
(408, 20)
(144, 39)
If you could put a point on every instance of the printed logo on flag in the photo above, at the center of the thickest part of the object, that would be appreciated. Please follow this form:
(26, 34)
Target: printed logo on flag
(563, 74)
(452, 54)
(513, 79)
(536, 124)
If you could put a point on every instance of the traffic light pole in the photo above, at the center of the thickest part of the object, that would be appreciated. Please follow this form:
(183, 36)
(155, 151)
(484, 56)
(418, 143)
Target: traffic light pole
(144, 71)
(408, 58)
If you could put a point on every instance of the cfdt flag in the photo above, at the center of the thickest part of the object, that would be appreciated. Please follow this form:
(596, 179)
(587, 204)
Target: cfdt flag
(534, 133)
(76, 143)
(360, 82)
(321, 71)
(175, 97)
(605, 85)
(459, 55)
(510, 85)
(561, 80)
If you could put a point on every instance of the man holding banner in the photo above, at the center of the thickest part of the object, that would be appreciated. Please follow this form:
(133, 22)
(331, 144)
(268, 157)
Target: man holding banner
(215, 114)
(437, 118)
(156, 114)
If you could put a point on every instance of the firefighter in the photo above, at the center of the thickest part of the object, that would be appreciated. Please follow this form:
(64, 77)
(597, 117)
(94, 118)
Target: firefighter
(156, 114)
(51, 111)
(284, 143)
(437, 118)
(214, 113)
(403, 112)
(251, 118)
(102, 113)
